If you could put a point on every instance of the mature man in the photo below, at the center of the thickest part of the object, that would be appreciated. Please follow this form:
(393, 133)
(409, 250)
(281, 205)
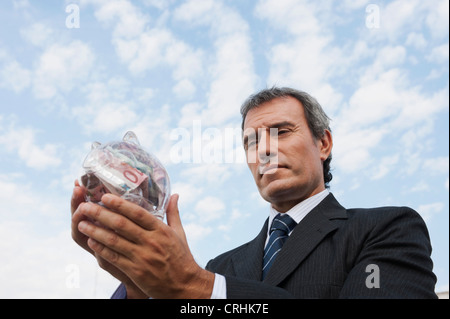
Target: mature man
(313, 248)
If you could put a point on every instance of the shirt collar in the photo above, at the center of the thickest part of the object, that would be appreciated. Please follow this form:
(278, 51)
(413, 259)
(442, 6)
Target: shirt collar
(299, 211)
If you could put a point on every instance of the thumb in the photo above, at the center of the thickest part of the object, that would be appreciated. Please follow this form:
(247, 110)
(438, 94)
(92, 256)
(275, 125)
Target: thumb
(173, 217)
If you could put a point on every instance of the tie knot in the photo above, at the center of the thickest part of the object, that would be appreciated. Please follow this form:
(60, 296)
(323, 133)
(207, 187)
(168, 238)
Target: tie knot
(283, 223)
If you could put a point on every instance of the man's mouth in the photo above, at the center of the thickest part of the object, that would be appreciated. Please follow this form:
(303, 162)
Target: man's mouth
(268, 169)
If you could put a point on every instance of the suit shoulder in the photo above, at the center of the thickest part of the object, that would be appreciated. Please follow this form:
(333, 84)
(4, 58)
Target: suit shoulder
(388, 213)
(387, 219)
(223, 261)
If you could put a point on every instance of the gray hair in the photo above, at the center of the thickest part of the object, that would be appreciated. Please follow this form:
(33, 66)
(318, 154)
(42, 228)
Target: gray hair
(315, 116)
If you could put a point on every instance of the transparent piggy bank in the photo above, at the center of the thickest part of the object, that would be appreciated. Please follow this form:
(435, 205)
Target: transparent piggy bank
(123, 168)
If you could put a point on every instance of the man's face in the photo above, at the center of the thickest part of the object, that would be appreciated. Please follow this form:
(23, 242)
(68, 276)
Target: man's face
(282, 154)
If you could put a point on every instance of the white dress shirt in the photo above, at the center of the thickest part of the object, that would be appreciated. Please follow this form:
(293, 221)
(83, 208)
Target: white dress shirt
(297, 213)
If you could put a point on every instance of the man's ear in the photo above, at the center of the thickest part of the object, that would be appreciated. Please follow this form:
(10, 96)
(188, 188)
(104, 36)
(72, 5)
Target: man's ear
(326, 145)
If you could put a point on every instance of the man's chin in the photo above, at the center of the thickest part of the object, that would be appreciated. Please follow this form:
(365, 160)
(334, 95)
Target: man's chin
(276, 190)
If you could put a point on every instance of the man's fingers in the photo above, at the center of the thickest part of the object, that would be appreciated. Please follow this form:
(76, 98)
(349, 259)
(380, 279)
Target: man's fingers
(172, 212)
(173, 217)
(132, 211)
(106, 239)
(116, 259)
(78, 197)
(117, 223)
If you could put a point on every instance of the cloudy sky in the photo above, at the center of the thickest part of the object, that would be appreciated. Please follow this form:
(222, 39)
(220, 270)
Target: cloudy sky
(176, 73)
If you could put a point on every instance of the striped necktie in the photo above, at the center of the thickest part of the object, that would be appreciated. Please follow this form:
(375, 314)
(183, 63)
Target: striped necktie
(282, 225)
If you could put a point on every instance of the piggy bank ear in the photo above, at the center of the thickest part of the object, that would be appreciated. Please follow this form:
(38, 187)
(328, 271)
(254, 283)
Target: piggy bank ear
(130, 137)
(95, 145)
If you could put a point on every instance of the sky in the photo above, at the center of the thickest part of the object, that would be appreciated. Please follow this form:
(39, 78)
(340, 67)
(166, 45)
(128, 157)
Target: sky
(176, 73)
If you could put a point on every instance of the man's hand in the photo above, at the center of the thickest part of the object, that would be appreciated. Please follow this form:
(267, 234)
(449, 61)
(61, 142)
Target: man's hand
(78, 198)
(155, 256)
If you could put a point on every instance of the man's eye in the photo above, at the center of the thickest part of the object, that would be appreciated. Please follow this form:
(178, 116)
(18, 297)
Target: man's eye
(251, 143)
(281, 132)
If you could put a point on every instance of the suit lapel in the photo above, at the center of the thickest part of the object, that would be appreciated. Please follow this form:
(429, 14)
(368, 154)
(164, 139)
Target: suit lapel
(247, 263)
(305, 237)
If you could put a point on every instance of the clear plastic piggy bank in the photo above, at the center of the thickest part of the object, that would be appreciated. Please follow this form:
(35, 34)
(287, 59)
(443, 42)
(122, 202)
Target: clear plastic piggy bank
(123, 168)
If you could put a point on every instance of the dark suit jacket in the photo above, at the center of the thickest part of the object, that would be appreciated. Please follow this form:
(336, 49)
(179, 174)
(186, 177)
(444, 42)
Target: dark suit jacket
(331, 254)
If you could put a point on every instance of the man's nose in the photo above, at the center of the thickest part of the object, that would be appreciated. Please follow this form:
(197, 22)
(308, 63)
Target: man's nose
(267, 146)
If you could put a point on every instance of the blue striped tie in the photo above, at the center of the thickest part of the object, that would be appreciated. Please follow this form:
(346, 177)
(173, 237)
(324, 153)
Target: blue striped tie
(282, 225)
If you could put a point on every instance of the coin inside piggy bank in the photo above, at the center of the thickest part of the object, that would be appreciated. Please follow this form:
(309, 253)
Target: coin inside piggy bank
(125, 169)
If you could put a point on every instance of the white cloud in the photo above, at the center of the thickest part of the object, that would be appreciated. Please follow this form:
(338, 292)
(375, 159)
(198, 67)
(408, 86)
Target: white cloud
(37, 248)
(61, 68)
(387, 58)
(144, 52)
(233, 79)
(152, 129)
(13, 76)
(439, 54)
(184, 89)
(143, 47)
(420, 187)
(195, 232)
(385, 106)
(307, 60)
(130, 22)
(368, 106)
(236, 217)
(354, 4)
(399, 15)
(437, 18)
(416, 40)
(390, 97)
(386, 164)
(209, 208)
(189, 113)
(160, 4)
(106, 118)
(428, 211)
(402, 18)
(231, 71)
(144, 95)
(417, 107)
(172, 63)
(22, 141)
(49, 266)
(352, 148)
(435, 74)
(186, 61)
(438, 165)
(208, 173)
(3, 54)
(195, 12)
(21, 4)
(296, 17)
(111, 106)
(38, 34)
(189, 192)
